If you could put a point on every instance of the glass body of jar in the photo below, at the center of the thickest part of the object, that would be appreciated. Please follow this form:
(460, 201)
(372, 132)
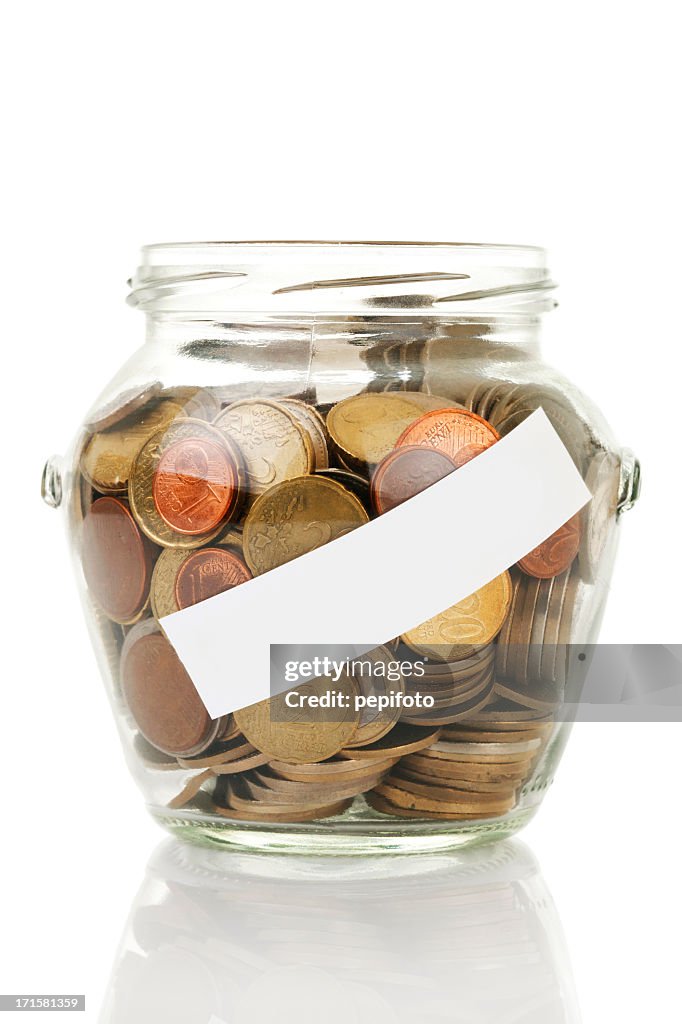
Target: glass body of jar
(286, 395)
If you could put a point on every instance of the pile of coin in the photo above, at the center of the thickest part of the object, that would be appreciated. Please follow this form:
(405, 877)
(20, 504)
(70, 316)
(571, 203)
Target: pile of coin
(183, 494)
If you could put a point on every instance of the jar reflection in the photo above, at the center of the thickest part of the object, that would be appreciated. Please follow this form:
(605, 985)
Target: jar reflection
(469, 937)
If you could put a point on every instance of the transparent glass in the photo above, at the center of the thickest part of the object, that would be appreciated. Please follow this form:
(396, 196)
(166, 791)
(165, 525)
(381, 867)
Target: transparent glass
(221, 451)
(468, 936)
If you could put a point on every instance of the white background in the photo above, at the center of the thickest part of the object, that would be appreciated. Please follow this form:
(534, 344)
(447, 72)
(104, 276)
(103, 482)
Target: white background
(128, 123)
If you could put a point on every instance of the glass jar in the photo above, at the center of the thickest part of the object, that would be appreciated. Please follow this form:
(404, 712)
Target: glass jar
(336, 451)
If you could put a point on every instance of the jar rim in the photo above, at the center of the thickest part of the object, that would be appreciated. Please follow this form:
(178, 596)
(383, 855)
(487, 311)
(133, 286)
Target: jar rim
(327, 277)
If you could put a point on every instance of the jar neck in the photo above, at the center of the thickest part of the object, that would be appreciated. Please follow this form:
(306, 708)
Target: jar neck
(516, 336)
(317, 281)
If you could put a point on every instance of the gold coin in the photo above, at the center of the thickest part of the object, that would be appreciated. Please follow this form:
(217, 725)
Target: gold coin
(109, 455)
(295, 517)
(365, 428)
(162, 589)
(475, 620)
(303, 735)
(231, 538)
(311, 421)
(140, 492)
(376, 722)
(273, 444)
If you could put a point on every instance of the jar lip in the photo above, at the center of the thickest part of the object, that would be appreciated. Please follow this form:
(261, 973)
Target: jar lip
(342, 277)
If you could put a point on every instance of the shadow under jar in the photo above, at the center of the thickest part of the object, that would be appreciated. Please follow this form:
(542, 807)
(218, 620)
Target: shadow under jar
(288, 397)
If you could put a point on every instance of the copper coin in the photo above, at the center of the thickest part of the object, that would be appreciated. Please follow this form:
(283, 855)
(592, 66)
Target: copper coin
(161, 696)
(117, 559)
(555, 554)
(405, 472)
(448, 430)
(195, 485)
(469, 452)
(208, 572)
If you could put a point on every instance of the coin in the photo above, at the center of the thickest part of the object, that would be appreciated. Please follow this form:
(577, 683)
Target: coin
(555, 554)
(191, 788)
(245, 763)
(366, 427)
(281, 814)
(162, 590)
(302, 735)
(161, 696)
(195, 485)
(448, 430)
(566, 420)
(475, 620)
(404, 473)
(353, 482)
(418, 796)
(508, 787)
(108, 455)
(221, 752)
(313, 424)
(455, 709)
(402, 739)
(375, 722)
(232, 539)
(486, 396)
(141, 490)
(116, 559)
(602, 479)
(380, 803)
(123, 405)
(273, 444)
(199, 403)
(335, 769)
(269, 789)
(208, 572)
(468, 452)
(297, 516)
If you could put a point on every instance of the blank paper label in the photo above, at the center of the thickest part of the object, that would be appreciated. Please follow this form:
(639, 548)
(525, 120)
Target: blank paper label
(388, 576)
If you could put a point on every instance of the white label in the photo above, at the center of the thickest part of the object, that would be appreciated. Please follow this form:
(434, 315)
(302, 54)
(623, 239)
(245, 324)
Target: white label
(387, 576)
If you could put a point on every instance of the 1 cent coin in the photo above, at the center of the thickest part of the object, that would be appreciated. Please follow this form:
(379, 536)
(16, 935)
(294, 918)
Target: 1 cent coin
(206, 573)
(143, 482)
(161, 696)
(116, 558)
(555, 554)
(405, 472)
(195, 485)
